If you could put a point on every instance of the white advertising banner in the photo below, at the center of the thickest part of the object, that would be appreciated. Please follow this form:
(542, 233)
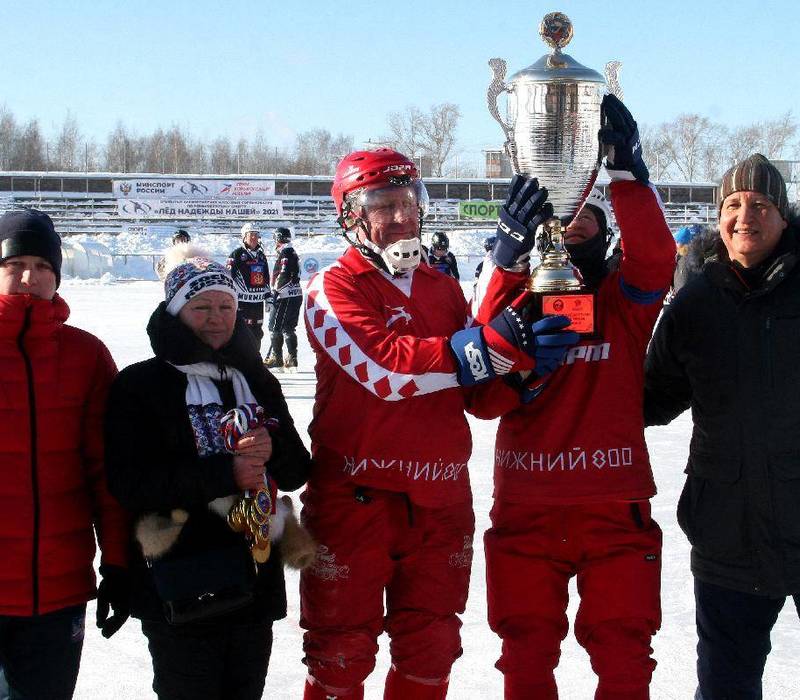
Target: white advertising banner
(175, 188)
(198, 208)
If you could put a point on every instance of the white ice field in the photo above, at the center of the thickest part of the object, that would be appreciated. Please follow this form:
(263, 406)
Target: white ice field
(120, 669)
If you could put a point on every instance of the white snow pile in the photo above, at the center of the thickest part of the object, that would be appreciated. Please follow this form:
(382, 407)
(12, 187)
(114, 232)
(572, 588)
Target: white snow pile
(134, 255)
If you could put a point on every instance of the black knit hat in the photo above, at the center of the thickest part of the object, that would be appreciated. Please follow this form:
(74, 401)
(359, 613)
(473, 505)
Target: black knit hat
(30, 232)
(756, 174)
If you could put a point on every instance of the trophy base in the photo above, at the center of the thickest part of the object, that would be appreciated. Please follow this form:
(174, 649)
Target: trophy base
(578, 305)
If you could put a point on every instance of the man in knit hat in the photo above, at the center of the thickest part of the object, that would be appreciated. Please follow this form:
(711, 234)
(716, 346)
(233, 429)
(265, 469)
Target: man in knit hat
(727, 347)
(54, 380)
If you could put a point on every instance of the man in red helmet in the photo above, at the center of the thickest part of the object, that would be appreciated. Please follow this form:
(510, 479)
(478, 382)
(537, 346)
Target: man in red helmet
(391, 511)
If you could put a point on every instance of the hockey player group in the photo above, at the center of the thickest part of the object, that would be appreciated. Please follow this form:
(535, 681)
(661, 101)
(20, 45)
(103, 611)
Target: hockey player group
(281, 294)
(399, 349)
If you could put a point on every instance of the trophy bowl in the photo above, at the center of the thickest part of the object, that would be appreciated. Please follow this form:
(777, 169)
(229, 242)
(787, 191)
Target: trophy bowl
(553, 116)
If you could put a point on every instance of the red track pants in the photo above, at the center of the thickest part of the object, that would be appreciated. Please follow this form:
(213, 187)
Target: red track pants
(615, 551)
(374, 542)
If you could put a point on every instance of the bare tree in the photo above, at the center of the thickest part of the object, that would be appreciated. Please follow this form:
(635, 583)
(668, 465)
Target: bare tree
(406, 133)
(712, 157)
(776, 135)
(31, 152)
(221, 157)
(317, 152)
(311, 148)
(685, 140)
(422, 135)
(439, 133)
(155, 152)
(9, 138)
(655, 150)
(340, 147)
(91, 156)
(742, 142)
(260, 151)
(119, 150)
(242, 157)
(67, 145)
(178, 156)
(199, 158)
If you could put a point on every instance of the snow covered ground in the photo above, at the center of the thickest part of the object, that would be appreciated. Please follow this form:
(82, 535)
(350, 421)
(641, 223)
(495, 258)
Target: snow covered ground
(120, 668)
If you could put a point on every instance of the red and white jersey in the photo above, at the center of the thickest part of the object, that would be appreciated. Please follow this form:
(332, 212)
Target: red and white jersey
(581, 439)
(386, 380)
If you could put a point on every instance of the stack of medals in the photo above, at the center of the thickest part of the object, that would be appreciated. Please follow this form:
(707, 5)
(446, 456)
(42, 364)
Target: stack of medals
(251, 514)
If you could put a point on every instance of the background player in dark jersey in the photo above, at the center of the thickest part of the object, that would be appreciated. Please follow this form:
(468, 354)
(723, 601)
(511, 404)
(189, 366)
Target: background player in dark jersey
(439, 256)
(250, 271)
(287, 298)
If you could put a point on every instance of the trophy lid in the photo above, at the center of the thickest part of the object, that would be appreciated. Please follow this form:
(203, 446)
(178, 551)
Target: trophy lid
(556, 31)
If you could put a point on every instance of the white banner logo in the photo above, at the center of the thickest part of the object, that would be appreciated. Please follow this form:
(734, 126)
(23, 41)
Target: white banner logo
(161, 188)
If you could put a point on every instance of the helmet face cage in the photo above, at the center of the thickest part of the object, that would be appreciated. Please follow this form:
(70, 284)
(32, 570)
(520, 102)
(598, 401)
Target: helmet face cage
(359, 203)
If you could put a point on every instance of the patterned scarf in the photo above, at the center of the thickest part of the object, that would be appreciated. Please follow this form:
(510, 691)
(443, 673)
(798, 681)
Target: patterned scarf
(204, 404)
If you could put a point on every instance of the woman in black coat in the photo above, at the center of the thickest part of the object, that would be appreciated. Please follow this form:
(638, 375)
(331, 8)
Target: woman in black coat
(206, 607)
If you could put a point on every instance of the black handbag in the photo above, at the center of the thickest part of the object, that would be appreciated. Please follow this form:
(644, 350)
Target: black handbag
(203, 585)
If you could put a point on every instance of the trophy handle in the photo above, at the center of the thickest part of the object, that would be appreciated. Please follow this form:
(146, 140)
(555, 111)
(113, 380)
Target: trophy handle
(612, 78)
(611, 71)
(496, 87)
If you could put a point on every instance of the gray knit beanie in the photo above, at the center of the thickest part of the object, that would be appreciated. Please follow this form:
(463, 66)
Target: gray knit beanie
(756, 174)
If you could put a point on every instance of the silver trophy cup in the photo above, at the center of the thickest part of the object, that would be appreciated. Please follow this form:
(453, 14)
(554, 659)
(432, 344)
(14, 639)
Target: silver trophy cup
(553, 117)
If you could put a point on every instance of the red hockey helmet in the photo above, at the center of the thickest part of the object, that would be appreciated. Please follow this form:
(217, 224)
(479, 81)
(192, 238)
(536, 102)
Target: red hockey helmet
(370, 170)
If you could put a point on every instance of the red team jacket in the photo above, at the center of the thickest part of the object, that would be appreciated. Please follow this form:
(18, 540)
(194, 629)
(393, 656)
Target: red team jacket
(54, 380)
(386, 381)
(582, 439)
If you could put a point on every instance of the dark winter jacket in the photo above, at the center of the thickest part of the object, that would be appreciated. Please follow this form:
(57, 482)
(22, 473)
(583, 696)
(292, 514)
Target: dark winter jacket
(731, 355)
(447, 264)
(54, 380)
(152, 460)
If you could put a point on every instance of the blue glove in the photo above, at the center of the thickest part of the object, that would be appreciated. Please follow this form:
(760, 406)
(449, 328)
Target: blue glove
(511, 344)
(620, 135)
(525, 209)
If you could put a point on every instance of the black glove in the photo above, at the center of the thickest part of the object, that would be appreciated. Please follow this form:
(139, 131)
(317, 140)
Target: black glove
(620, 135)
(525, 209)
(113, 593)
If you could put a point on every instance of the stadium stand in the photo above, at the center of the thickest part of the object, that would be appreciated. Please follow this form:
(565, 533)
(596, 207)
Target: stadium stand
(85, 203)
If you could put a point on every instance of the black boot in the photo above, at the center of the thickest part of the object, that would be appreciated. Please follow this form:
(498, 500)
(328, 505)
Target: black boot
(291, 349)
(275, 357)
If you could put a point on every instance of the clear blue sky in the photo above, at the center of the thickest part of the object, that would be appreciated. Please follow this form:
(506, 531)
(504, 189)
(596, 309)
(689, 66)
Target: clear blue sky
(229, 66)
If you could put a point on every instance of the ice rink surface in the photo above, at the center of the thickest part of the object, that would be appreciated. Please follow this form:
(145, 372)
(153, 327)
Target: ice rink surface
(120, 668)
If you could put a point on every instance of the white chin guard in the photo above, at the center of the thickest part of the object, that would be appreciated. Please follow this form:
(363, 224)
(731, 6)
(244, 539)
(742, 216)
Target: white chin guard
(400, 256)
